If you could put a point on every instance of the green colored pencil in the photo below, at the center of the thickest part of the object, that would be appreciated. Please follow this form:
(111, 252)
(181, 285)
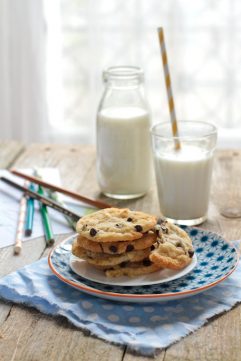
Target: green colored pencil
(48, 233)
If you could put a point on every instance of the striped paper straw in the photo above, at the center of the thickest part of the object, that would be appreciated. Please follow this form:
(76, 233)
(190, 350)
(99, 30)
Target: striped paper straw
(169, 88)
(21, 222)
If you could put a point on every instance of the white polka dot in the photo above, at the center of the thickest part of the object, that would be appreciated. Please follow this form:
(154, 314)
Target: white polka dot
(167, 326)
(178, 309)
(128, 308)
(134, 319)
(108, 306)
(148, 309)
(113, 318)
(58, 291)
(226, 293)
(157, 318)
(210, 302)
(93, 316)
(52, 282)
(86, 305)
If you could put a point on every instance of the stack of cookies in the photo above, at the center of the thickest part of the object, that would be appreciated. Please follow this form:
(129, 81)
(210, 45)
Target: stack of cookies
(122, 242)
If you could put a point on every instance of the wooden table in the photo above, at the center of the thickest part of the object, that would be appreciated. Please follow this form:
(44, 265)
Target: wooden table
(26, 334)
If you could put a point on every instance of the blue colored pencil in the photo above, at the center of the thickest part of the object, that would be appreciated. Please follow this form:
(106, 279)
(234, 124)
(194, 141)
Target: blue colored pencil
(30, 213)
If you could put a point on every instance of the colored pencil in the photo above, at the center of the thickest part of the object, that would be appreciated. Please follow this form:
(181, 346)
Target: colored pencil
(93, 202)
(30, 213)
(48, 233)
(54, 195)
(20, 226)
(48, 202)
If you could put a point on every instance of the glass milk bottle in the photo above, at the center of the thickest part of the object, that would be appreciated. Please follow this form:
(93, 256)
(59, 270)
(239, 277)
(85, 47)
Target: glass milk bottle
(123, 140)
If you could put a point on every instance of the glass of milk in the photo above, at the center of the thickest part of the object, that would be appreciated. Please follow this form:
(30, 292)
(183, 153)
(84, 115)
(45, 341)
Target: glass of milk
(183, 176)
(123, 138)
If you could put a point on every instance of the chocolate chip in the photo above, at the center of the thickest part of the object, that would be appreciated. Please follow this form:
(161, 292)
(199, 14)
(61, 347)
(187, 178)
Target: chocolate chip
(152, 247)
(93, 232)
(138, 228)
(113, 249)
(119, 225)
(129, 219)
(123, 264)
(178, 244)
(191, 253)
(146, 262)
(129, 248)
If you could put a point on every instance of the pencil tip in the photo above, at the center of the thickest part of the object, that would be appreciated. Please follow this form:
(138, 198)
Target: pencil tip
(28, 232)
(50, 242)
(17, 250)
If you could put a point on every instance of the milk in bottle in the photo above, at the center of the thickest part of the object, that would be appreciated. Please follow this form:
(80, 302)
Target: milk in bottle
(123, 140)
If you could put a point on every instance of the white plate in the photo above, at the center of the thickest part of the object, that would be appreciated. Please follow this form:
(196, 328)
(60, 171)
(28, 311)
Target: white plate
(83, 269)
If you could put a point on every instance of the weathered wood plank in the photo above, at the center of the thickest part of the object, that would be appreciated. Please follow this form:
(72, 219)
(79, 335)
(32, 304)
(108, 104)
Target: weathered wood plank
(219, 340)
(47, 338)
(29, 335)
(9, 151)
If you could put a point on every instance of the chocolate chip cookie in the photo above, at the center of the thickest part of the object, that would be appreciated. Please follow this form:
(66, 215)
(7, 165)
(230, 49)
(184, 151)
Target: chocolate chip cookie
(115, 224)
(133, 269)
(174, 250)
(118, 247)
(102, 259)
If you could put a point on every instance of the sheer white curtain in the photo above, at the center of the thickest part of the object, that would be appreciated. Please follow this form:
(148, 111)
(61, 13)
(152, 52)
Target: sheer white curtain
(204, 49)
(82, 37)
(22, 70)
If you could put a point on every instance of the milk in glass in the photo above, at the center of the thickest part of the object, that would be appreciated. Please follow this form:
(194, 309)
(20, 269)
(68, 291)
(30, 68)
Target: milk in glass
(183, 181)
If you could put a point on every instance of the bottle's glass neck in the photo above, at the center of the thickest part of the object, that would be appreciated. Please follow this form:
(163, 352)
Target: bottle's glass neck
(122, 77)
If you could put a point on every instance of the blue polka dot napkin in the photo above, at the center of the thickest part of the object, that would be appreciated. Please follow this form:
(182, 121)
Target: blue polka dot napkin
(144, 328)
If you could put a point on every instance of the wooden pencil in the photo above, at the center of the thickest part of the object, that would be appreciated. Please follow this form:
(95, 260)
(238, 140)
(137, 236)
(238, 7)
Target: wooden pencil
(48, 202)
(94, 202)
(20, 225)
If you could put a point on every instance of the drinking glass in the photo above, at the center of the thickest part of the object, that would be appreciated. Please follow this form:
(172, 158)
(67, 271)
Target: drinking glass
(183, 176)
